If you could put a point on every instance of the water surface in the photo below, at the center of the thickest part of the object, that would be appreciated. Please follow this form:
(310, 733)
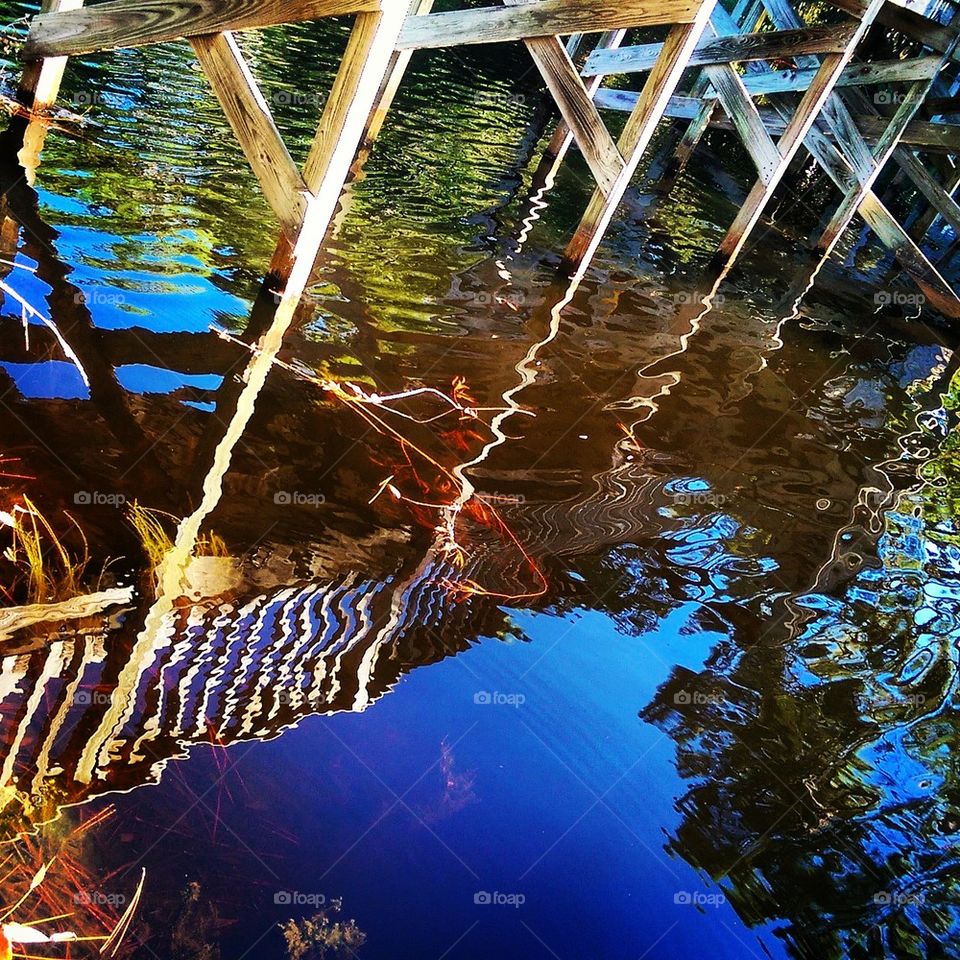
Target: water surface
(700, 693)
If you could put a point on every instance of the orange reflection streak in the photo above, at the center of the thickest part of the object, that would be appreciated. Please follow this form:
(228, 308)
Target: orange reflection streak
(368, 406)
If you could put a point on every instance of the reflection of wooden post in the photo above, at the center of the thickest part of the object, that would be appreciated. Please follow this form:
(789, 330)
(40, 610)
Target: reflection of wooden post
(40, 82)
(362, 72)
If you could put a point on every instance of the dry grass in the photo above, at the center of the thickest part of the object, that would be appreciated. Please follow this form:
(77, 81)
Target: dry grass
(47, 887)
(152, 529)
(40, 559)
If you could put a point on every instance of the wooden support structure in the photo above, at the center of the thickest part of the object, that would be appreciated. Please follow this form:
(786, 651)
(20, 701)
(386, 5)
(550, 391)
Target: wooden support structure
(40, 82)
(775, 45)
(835, 139)
(541, 18)
(650, 109)
(936, 137)
(813, 103)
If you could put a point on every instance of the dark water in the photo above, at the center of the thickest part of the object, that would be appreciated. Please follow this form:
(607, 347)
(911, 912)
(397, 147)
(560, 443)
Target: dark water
(727, 723)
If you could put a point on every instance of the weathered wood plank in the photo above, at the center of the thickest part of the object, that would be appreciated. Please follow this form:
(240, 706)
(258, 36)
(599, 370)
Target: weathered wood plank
(802, 121)
(40, 80)
(253, 125)
(562, 138)
(577, 109)
(938, 137)
(541, 18)
(399, 62)
(834, 112)
(726, 49)
(839, 167)
(640, 127)
(854, 75)
(927, 277)
(326, 151)
(743, 20)
(135, 23)
(886, 144)
(745, 118)
(940, 199)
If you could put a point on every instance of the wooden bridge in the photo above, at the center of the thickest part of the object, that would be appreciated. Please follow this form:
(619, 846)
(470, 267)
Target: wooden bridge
(710, 68)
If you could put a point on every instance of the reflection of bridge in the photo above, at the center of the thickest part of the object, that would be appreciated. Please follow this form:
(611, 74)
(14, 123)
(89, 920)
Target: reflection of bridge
(218, 674)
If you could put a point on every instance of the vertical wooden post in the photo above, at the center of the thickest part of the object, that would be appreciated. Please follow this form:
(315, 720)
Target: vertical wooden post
(637, 134)
(40, 82)
(362, 76)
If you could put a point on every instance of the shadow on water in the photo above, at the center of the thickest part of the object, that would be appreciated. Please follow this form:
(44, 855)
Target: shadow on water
(784, 491)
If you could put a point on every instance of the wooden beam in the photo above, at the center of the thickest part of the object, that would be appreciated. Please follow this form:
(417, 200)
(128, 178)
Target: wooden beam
(541, 18)
(841, 170)
(254, 127)
(640, 127)
(744, 19)
(562, 138)
(745, 118)
(885, 148)
(772, 45)
(938, 137)
(136, 23)
(882, 153)
(834, 113)
(363, 71)
(399, 62)
(577, 108)
(926, 276)
(854, 75)
(40, 80)
(802, 121)
(940, 199)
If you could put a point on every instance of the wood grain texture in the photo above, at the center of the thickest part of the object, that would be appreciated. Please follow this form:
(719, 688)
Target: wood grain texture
(886, 144)
(40, 80)
(254, 127)
(725, 49)
(743, 20)
(576, 107)
(650, 108)
(745, 118)
(135, 23)
(399, 61)
(854, 75)
(545, 18)
(562, 138)
(834, 113)
(940, 199)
